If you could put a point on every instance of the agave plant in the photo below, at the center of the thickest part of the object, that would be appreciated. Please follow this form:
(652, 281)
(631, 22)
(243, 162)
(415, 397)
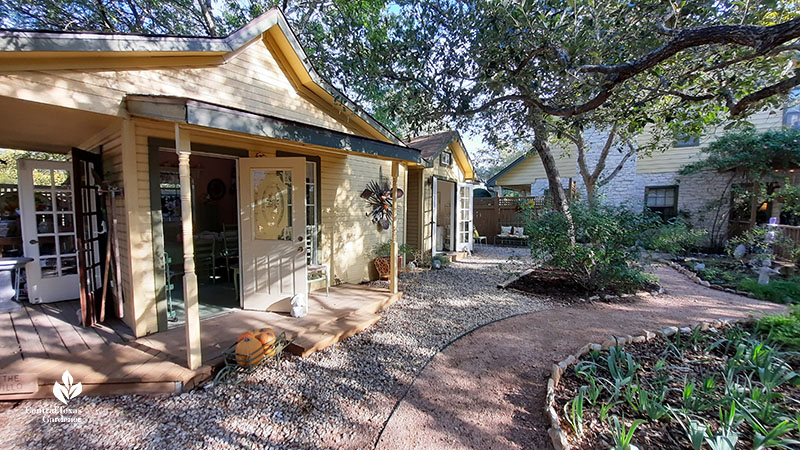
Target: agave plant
(378, 195)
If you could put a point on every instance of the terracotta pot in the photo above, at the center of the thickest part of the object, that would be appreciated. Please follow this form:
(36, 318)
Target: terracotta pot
(384, 268)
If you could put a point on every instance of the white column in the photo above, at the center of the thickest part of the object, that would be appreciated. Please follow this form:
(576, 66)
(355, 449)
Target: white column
(393, 255)
(193, 344)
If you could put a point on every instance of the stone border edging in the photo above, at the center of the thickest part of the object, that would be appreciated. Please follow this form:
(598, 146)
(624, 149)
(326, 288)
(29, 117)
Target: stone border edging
(557, 435)
(692, 275)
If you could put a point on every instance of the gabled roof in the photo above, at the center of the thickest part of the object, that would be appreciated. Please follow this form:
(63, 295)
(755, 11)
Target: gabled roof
(47, 50)
(430, 146)
(491, 181)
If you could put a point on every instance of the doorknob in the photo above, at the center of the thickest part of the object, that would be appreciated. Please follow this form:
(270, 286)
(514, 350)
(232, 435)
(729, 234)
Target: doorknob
(300, 249)
(33, 241)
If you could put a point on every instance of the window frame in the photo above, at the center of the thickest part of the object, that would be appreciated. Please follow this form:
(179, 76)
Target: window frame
(449, 161)
(674, 206)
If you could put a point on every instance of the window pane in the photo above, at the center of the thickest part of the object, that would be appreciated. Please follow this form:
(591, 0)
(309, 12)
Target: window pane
(44, 223)
(65, 223)
(62, 179)
(272, 214)
(64, 201)
(69, 265)
(66, 243)
(47, 245)
(49, 267)
(43, 201)
(42, 178)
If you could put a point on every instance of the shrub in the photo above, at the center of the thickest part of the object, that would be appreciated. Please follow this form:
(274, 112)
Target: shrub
(783, 329)
(609, 241)
(755, 241)
(384, 250)
(777, 291)
(675, 237)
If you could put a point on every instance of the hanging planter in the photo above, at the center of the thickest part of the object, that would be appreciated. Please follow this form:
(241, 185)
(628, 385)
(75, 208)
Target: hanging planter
(378, 195)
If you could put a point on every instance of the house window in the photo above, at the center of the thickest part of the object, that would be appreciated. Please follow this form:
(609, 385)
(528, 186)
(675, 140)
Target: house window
(662, 200)
(446, 159)
(684, 140)
(312, 218)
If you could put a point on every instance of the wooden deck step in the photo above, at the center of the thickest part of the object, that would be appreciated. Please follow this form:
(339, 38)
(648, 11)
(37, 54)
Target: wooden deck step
(329, 334)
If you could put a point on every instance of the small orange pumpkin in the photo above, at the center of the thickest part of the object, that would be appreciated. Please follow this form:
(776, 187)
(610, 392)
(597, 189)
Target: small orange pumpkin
(267, 338)
(248, 352)
(245, 335)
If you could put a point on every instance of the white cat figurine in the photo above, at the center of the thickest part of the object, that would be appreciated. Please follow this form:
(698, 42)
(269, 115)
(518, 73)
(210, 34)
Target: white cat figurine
(299, 305)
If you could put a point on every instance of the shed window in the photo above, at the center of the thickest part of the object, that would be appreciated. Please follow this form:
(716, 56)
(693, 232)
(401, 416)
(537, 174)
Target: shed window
(662, 200)
(446, 158)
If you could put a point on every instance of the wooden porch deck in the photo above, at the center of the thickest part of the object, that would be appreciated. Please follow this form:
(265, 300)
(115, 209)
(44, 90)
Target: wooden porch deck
(43, 340)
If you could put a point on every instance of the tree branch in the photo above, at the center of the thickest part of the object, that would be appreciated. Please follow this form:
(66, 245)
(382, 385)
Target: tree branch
(622, 162)
(601, 162)
(783, 87)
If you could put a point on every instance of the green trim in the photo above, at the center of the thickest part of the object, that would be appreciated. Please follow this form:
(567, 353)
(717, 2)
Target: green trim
(179, 109)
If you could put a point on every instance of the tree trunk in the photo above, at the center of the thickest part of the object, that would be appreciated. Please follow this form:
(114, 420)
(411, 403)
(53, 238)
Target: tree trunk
(208, 18)
(560, 202)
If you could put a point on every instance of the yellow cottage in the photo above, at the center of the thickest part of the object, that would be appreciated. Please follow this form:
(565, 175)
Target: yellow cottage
(231, 172)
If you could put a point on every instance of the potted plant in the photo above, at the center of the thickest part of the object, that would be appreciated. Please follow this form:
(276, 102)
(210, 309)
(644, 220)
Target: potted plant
(382, 257)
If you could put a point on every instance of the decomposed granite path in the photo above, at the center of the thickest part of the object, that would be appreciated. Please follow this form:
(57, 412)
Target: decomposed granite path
(487, 389)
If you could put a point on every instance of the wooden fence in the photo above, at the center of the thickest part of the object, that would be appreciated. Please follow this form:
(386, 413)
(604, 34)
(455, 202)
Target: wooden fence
(490, 213)
(792, 233)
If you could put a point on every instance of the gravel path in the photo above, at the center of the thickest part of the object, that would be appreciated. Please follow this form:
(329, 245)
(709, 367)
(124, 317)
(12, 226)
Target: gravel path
(340, 397)
(487, 389)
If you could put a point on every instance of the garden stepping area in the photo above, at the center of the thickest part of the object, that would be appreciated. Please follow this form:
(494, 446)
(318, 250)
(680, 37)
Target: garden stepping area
(487, 390)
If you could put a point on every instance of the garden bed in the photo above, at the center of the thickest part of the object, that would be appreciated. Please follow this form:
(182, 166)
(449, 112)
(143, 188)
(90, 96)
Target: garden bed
(560, 284)
(733, 275)
(730, 381)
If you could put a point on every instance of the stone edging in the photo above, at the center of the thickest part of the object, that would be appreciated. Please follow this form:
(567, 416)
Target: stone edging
(557, 435)
(697, 280)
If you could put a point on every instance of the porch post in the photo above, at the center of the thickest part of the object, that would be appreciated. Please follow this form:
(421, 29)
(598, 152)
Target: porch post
(193, 355)
(393, 255)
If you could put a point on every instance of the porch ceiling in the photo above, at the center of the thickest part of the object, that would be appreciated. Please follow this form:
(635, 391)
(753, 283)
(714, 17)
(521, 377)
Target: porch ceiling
(28, 125)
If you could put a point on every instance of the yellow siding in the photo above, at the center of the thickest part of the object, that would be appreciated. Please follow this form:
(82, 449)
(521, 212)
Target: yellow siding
(531, 168)
(673, 159)
(252, 81)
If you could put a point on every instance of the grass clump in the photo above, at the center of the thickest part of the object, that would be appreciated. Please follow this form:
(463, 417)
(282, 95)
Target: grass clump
(783, 329)
(777, 291)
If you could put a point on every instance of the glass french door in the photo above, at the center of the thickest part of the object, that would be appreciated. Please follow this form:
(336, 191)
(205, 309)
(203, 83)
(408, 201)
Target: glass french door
(464, 217)
(48, 230)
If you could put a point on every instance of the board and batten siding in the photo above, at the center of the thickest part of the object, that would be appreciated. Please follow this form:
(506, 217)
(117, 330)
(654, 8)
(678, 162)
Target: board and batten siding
(415, 220)
(450, 173)
(250, 81)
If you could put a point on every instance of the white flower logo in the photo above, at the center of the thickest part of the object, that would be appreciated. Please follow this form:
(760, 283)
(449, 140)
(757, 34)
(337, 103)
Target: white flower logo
(66, 392)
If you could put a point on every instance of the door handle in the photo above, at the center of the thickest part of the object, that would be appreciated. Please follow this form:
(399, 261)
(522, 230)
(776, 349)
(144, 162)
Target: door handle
(300, 249)
(33, 241)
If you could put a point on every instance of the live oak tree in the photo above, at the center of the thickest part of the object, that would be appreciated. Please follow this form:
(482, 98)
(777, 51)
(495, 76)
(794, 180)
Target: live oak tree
(508, 68)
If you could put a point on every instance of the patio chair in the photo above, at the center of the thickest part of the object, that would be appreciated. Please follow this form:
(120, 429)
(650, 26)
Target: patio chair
(478, 238)
(317, 272)
(230, 249)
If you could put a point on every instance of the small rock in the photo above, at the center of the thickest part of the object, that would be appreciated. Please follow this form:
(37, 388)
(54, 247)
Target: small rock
(699, 266)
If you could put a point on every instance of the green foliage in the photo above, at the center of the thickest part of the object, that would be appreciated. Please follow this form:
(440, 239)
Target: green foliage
(384, 250)
(757, 153)
(783, 329)
(623, 435)
(777, 291)
(608, 244)
(675, 237)
(575, 413)
(756, 241)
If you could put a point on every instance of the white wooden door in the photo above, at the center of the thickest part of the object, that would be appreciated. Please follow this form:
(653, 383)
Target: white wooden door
(464, 217)
(48, 230)
(273, 224)
(435, 211)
